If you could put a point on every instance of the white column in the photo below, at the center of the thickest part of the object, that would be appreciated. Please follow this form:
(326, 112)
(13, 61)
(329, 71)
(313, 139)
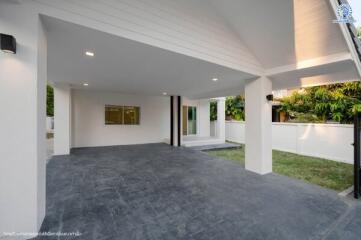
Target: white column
(62, 111)
(203, 118)
(221, 118)
(22, 122)
(258, 137)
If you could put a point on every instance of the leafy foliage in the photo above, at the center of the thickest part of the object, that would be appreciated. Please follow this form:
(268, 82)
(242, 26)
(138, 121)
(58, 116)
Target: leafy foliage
(235, 108)
(337, 102)
(359, 32)
(213, 109)
(49, 101)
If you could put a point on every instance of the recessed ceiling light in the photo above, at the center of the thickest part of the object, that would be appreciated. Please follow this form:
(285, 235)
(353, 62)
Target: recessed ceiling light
(164, 93)
(85, 84)
(214, 79)
(90, 54)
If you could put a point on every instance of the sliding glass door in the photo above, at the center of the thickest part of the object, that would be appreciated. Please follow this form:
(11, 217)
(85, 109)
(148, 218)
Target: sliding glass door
(192, 120)
(185, 120)
(189, 120)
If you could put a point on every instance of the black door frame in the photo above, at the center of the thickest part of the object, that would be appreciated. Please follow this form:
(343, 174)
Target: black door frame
(357, 155)
(171, 120)
(179, 122)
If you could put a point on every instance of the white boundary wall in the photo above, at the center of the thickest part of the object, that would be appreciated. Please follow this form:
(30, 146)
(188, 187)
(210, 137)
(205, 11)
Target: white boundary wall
(330, 141)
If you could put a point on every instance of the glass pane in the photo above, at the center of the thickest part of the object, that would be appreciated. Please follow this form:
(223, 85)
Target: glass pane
(185, 120)
(192, 120)
(113, 115)
(131, 115)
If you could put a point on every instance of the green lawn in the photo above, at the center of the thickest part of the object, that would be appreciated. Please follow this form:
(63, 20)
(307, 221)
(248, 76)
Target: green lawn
(326, 173)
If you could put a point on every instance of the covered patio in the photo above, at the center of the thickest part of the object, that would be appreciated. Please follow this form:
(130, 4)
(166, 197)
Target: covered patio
(155, 191)
(121, 72)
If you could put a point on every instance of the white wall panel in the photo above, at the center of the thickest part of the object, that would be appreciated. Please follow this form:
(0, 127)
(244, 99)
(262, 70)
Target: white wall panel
(235, 132)
(88, 120)
(284, 137)
(22, 122)
(203, 115)
(204, 118)
(329, 141)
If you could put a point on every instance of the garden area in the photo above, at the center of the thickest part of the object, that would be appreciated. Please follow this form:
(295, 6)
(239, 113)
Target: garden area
(321, 104)
(335, 103)
(325, 173)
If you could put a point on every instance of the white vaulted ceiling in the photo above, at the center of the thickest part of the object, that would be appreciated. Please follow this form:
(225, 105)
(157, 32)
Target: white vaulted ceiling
(178, 47)
(126, 66)
(283, 32)
(189, 27)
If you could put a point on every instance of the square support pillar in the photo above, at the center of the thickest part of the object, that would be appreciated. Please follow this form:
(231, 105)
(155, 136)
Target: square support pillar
(221, 119)
(203, 116)
(258, 150)
(23, 79)
(62, 115)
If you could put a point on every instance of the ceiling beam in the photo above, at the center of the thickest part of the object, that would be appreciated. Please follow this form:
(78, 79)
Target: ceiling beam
(311, 63)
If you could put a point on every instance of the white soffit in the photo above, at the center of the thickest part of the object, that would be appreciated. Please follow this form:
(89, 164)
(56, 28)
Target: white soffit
(126, 66)
(284, 32)
(189, 27)
(335, 72)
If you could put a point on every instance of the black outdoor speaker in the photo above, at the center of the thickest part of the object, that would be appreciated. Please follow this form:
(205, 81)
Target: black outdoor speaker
(8, 43)
(269, 97)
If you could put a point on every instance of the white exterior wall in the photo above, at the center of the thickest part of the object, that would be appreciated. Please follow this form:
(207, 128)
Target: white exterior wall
(22, 122)
(49, 124)
(88, 122)
(329, 141)
(213, 129)
(236, 131)
(203, 115)
(204, 118)
(221, 119)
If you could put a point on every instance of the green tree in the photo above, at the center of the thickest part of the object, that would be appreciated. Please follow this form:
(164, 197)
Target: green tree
(359, 32)
(49, 101)
(213, 109)
(337, 102)
(235, 108)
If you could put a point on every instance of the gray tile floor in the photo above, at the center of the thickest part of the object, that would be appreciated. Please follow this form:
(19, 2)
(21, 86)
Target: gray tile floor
(158, 192)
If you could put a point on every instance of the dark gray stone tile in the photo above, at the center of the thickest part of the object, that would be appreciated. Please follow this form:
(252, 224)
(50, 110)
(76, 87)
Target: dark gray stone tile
(155, 191)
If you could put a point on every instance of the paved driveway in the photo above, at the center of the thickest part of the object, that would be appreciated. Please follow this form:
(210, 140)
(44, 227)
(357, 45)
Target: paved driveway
(158, 192)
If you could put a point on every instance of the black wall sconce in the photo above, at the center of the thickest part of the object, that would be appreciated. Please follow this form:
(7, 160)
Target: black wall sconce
(7, 43)
(269, 97)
